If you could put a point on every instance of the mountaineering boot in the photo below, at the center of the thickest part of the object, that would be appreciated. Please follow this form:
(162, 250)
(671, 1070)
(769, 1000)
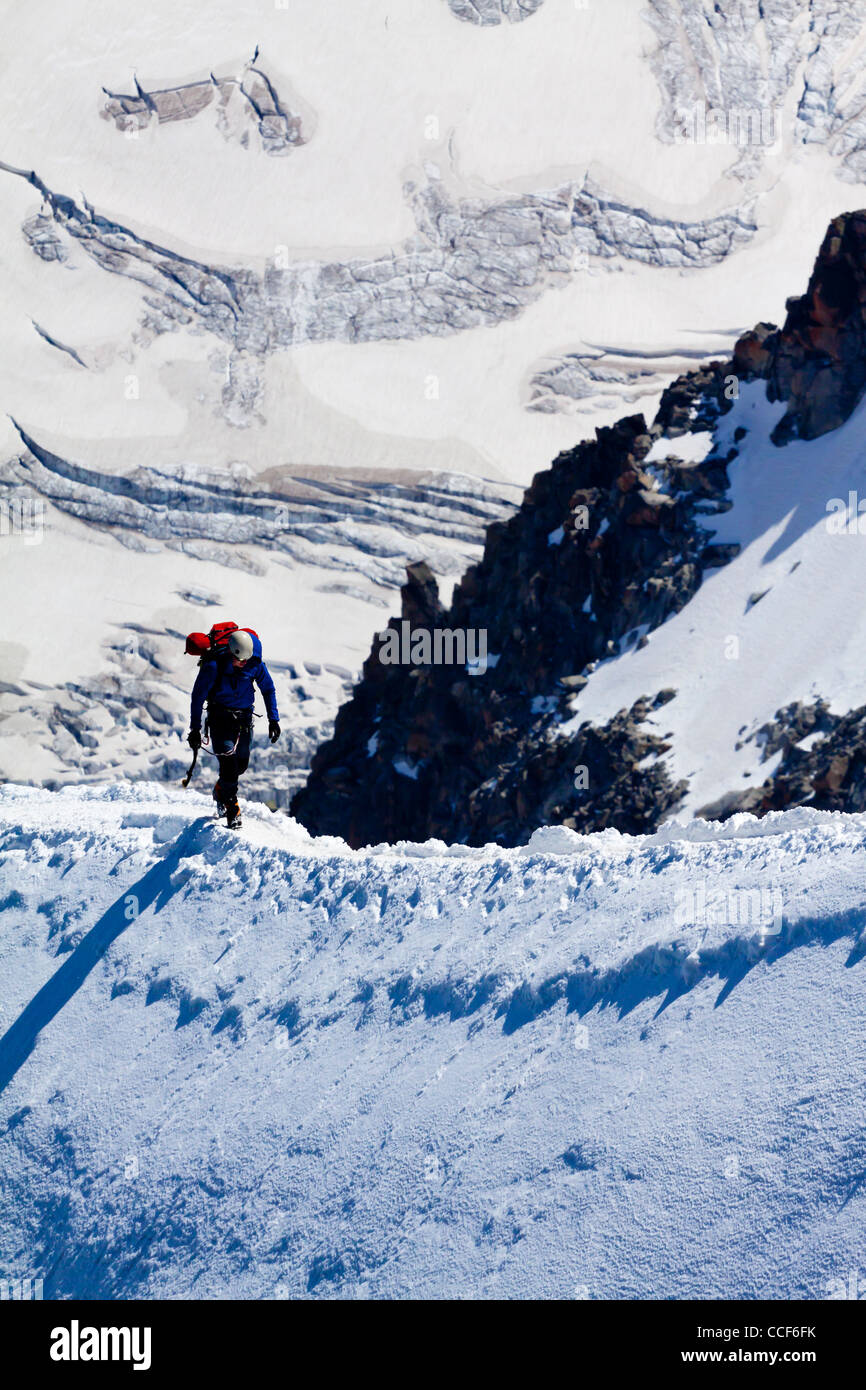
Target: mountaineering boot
(220, 806)
(233, 814)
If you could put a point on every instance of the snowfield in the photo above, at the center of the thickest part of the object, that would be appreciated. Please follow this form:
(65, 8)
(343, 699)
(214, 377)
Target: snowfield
(778, 623)
(260, 1065)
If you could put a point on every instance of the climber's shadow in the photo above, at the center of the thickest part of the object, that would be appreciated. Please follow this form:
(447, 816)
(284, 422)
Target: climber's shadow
(154, 889)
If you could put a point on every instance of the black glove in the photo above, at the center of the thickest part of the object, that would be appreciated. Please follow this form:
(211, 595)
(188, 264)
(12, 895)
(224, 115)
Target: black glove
(273, 730)
(193, 738)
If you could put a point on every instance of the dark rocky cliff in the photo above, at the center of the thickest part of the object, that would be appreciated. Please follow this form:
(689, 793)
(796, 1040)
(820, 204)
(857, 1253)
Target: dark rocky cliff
(602, 549)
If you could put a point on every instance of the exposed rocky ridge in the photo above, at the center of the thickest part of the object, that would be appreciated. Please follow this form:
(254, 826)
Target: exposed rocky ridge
(604, 547)
(601, 549)
(244, 103)
(828, 772)
(818, 363)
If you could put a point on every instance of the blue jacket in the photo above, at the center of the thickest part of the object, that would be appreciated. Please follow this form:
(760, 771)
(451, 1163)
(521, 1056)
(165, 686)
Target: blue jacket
(221, 683)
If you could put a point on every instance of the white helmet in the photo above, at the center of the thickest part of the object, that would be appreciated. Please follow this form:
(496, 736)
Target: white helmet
(241, 646)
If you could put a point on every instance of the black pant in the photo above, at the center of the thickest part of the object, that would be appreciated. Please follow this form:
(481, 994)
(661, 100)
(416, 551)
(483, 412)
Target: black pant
(227, 728)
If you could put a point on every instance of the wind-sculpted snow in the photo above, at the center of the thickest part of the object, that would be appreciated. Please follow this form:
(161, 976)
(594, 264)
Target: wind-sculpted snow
(489, 12)
(265, 1066)
(471, 262)
(747, 57)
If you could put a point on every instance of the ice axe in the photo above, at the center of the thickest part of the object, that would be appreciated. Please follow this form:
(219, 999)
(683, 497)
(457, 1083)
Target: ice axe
(191, 769)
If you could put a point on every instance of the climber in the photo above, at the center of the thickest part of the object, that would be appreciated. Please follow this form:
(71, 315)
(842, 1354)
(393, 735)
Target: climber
(227, 675)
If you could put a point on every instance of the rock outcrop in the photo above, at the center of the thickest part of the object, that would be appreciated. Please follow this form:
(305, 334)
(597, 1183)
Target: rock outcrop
(823, 764)
(605, 546)
(816, 363)
(601, 549)
(819, 361)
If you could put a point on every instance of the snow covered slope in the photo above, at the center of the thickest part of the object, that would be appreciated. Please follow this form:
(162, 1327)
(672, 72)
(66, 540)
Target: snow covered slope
(263, 1066)
(781, 622)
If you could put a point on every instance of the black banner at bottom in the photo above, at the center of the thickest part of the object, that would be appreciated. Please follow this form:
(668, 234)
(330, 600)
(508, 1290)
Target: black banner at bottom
(168, 1338)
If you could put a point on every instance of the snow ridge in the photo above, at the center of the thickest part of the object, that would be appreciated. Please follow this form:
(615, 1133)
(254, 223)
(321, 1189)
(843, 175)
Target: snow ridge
(422, 1069)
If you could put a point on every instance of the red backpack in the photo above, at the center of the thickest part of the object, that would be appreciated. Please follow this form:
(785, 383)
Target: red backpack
(206, 645)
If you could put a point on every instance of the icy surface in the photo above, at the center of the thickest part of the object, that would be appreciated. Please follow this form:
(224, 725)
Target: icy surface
(487, 12)
(243, 103)
(798, 64)
(257, 1065)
